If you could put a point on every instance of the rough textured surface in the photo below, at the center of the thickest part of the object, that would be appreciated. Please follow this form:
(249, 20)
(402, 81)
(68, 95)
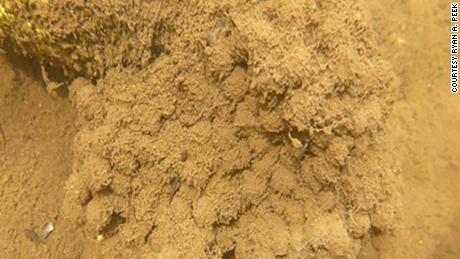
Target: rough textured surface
(82, 37)
(239, 139)
(278, 126)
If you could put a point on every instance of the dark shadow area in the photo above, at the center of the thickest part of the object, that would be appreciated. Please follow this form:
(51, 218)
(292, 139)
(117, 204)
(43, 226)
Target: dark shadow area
(31, 66)
(230, 254)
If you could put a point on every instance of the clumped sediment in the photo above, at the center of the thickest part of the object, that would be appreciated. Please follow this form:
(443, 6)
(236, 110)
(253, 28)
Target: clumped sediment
(279, 106)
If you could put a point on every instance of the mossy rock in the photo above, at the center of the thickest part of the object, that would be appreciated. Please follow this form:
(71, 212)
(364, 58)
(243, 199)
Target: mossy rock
(81, 37)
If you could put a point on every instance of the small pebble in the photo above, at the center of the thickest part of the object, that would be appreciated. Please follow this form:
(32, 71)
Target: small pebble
(47, 229)
(99, 237)
(33, 236)
(184, 156)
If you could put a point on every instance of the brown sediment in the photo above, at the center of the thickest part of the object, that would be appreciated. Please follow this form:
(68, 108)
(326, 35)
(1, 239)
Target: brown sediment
(244, 96)
(207, 129)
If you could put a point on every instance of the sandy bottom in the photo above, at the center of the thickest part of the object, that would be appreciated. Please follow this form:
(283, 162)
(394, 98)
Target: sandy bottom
(37, 130)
